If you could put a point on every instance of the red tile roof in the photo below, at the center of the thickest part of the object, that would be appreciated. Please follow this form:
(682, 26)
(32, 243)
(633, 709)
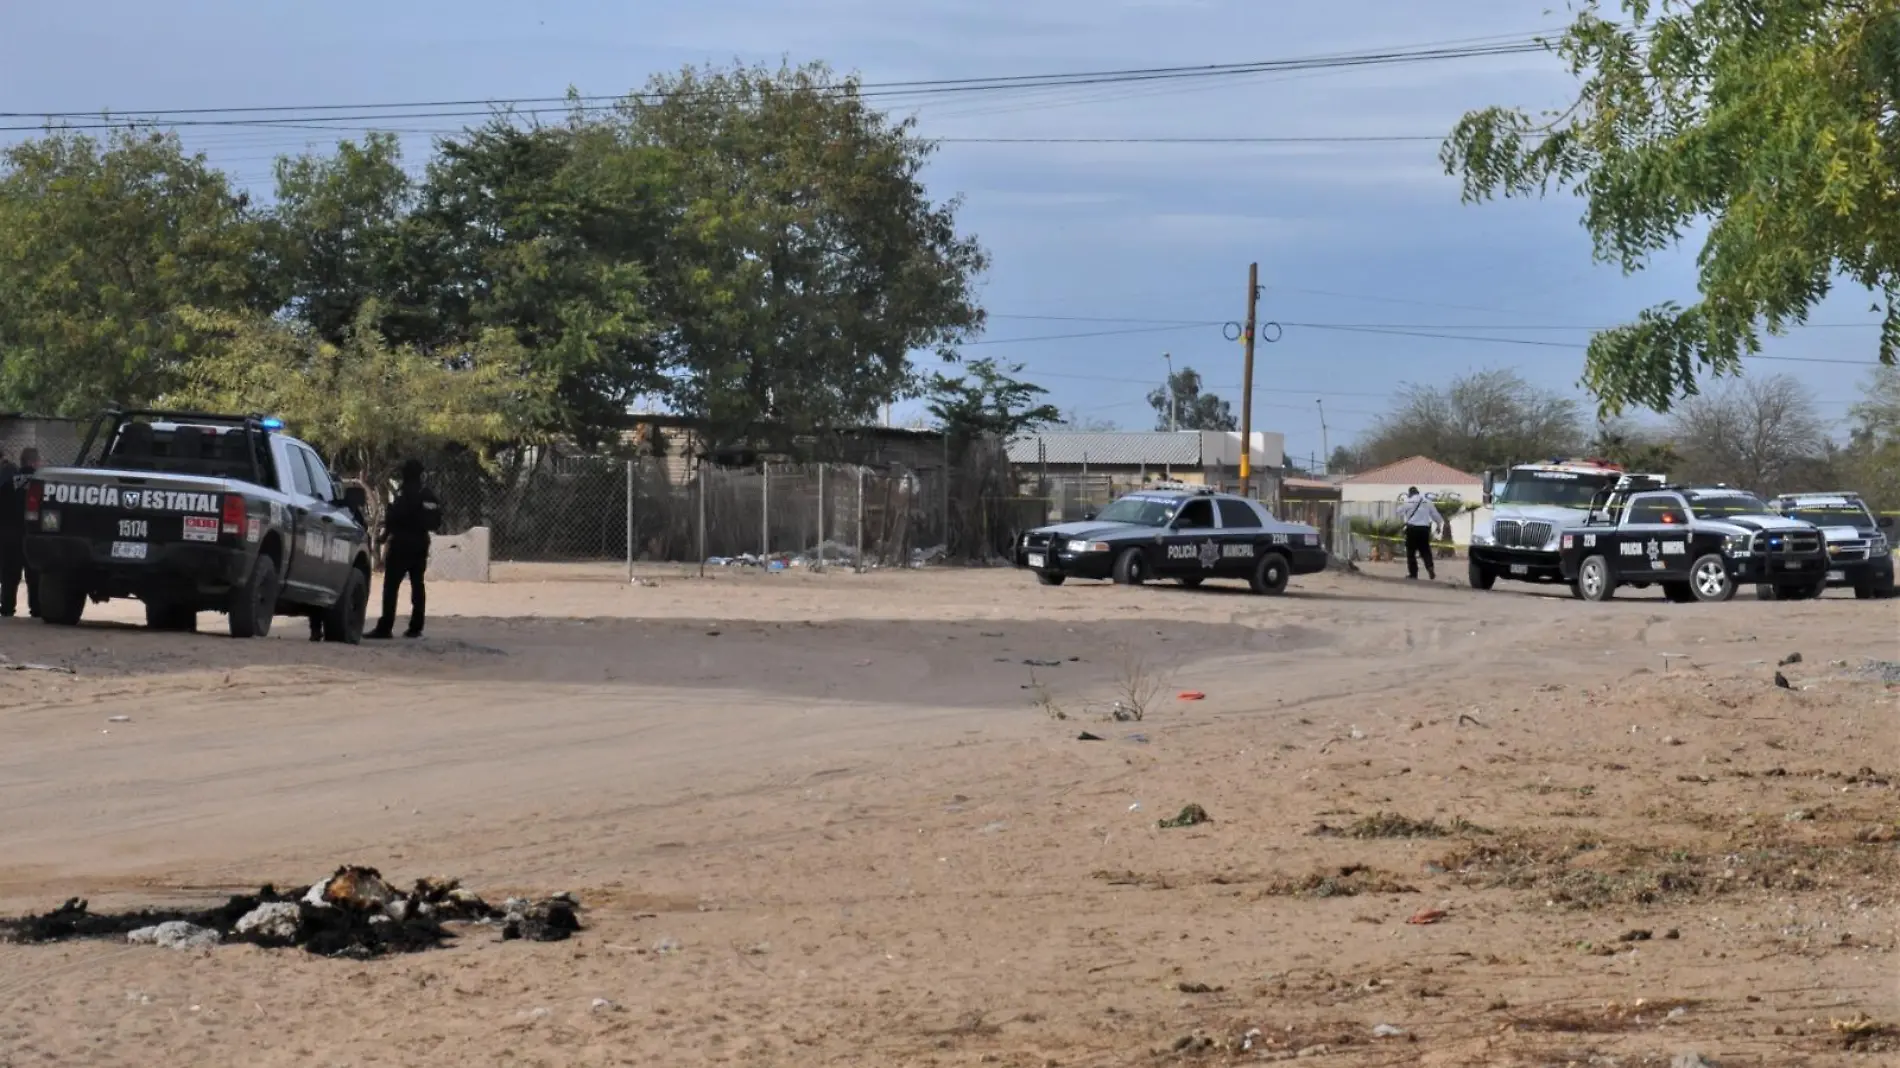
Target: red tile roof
(1416, 471)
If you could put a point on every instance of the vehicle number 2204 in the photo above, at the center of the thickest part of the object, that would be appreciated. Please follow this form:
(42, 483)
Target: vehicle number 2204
(135, 528)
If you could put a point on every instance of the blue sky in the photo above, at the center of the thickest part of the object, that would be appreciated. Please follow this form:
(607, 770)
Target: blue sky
(1365, 235)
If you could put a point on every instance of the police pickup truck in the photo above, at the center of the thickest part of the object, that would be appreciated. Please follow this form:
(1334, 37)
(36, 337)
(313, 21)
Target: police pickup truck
(1697, 542)
(1531, 505)
(1180, 532)
(190, 512)
(1859, 551)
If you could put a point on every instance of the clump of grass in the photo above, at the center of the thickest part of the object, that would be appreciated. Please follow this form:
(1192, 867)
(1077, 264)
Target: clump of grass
(1138, 683)
(1349, 881)
(1395, 825)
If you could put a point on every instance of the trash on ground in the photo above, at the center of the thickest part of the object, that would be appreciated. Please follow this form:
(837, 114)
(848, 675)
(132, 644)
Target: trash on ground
(1193, 695)
(1791, 658)
(1782, 681)
(353, 913)
(1192, 815)
(1387, 1031)
(1085, 736)
(1425, 916)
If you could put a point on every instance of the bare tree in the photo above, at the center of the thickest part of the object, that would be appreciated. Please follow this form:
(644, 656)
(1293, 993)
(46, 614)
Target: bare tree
(1483, 420)
(1753, 433)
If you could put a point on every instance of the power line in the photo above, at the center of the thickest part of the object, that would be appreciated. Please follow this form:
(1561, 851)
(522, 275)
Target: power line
(292, 115)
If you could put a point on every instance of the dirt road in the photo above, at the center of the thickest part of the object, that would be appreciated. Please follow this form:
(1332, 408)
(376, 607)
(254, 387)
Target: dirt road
(860, 808)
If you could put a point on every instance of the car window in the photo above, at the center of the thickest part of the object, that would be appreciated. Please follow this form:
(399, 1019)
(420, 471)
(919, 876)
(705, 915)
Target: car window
(320, 485)
(1195, 515)
(1237, 514)
(298, 472)
(1657, 510)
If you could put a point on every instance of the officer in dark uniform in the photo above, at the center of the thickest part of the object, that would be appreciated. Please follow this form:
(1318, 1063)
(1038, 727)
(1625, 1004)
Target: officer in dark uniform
(412, 517)
(13, 567)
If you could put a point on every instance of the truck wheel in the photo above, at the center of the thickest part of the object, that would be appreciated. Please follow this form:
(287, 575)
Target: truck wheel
(162, 616)
(1048, 579)
(255, 602)
(1189, 582)
(1678, 593)
(1594, 580)
(1131, 568)
(343, 621)
(1270, 575)
(1710, 580)
(1480, 576)
(62, 598)
(1767, 593)
(1803, 593)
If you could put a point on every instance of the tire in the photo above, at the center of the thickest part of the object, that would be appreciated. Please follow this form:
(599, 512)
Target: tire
(1678, 593)
(1271, 575)
(1189, 582)
(255, 602)
(1480, 576)
(1767, 593)
(182, 619)
(62, 598)
(1709, 579)
(343, 621)
(1595, 581)
(1131, 568)
(1048, 579)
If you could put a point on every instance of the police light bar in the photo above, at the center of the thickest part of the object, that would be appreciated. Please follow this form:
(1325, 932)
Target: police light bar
(271, 422)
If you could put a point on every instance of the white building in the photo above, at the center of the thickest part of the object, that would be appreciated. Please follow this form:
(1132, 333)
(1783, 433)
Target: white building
(1376, 493)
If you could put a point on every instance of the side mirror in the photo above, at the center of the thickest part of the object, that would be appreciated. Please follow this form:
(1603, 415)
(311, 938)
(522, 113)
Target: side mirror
(1089, 515)
(1885, 521)
(355, 497)
(1490, 482)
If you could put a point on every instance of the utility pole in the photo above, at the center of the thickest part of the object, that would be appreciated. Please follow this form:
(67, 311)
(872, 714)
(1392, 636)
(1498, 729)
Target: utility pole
(1174, 403)
(1246, 383)
(1325, 446)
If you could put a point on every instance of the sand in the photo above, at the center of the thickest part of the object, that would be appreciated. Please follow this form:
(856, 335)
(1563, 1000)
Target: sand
(860, 824)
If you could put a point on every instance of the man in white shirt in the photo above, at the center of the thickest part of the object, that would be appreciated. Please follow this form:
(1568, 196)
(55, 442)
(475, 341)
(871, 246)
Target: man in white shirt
(1420, 515)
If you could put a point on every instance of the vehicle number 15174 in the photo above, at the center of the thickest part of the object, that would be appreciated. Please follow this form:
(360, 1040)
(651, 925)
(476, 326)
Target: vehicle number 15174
(135, 528)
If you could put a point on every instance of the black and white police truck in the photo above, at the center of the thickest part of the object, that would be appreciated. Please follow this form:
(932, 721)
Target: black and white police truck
(1530, 507)
(1175, 531)
(192, 512)
(1699, 543)
(1859, 549)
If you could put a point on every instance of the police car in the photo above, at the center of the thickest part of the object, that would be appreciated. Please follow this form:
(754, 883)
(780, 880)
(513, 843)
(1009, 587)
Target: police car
(1175, 531)
(1859, 551)
(1697, 542)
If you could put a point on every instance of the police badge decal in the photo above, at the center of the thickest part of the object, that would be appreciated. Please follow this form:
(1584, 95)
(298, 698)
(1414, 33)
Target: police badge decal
(1209, 553)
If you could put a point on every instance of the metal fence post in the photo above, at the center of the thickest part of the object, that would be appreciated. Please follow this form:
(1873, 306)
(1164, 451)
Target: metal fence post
(702, 516)
(860, 519)
(765, 510)
(821, 517)
(629, 520)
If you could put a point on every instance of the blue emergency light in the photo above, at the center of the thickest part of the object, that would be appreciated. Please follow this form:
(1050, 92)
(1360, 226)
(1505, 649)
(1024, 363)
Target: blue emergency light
(272, 423)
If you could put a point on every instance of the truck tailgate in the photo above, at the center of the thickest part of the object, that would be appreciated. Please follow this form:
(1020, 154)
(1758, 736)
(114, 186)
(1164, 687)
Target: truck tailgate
(130, 508)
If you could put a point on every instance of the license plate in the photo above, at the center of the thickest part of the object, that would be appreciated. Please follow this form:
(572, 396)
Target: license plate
(128, 550)
(1837, 576)
(200, 528)
(1520, 569)
(1036, 560)
(1791, 565)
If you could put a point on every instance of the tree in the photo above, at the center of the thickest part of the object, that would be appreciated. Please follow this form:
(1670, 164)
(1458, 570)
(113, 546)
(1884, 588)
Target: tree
(1346, 460)
(1873, 451)
(1770, 120)
(101, 245)
(548, 233)
(1635, 448)
(367, 404)
(1753, 434)
(1075, 420)
(804, 259)
(1485, 420)
(338, 231)
(988, 401)
(1193, 410)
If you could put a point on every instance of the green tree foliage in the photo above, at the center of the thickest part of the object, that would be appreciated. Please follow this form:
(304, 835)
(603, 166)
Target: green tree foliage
(1193, 409)
(548, 233)
(1636, 448)
(367, 404)
(1480, 421)
(804, 259)
(1873, 456)
(338, 234)
(1772, 121)
(988, 401)
(101, 245)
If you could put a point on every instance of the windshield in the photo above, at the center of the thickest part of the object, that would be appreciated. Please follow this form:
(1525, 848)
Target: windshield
(1833, 515)
(1720, 506)
(1141, 511)
(1555, 489)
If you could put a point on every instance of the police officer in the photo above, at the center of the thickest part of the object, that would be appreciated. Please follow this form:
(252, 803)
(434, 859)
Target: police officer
(1420, 515)
(13, 567)
(412, 517)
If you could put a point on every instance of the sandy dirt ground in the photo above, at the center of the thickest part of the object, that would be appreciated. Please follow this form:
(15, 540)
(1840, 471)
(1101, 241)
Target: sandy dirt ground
(848, 820)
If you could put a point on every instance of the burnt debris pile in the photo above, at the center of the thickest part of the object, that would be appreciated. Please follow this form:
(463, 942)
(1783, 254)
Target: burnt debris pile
(353, 913)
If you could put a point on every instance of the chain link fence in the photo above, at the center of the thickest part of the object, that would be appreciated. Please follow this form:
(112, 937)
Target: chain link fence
(57, 440)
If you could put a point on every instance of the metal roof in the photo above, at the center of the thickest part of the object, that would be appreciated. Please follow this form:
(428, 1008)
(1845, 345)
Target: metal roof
(1114, 448)
(1414, 471)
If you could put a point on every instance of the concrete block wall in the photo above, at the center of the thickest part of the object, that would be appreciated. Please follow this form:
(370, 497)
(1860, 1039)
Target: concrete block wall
(459, 557)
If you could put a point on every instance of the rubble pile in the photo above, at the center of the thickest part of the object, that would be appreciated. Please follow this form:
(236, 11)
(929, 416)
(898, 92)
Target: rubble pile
(353, 913)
